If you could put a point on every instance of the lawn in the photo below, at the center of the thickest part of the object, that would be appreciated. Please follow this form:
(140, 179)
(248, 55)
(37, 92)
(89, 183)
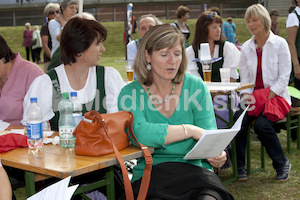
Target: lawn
(260, 185)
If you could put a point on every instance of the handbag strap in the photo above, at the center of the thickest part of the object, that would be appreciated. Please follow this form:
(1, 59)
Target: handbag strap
(148, 160)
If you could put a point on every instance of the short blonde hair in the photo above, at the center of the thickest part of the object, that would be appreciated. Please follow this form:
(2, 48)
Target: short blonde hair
(261, 12)
(49, 7)
(157, 38)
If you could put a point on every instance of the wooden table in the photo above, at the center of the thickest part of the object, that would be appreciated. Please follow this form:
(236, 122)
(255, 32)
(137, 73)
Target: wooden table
(54, 161)
(229, 125)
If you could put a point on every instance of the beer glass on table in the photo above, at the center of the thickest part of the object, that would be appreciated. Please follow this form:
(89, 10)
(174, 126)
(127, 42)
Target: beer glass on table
(206, 68)
(205, 57)
(130, 74)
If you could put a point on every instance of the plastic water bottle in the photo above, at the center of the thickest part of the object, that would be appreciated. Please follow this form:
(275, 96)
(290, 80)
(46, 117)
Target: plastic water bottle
(66, 124)
(34, 125)
(77, 111)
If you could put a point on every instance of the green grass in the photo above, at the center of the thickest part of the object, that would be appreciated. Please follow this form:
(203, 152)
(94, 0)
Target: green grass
(260, 185)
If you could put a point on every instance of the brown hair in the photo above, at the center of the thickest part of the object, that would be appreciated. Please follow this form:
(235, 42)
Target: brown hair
(274, 11)
(181, 11)
(5, 51)
(201, 29)
(157, 38)
(77, 36)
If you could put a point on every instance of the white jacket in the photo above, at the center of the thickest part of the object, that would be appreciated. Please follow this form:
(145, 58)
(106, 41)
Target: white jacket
(276, 65)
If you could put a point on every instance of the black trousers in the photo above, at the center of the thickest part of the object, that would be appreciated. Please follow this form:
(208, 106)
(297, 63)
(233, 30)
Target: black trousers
(36, 54)
(263, 127)
(28, 50)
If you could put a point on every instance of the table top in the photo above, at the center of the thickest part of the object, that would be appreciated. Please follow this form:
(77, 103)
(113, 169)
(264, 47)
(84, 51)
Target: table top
(242, 87)
(60, 162)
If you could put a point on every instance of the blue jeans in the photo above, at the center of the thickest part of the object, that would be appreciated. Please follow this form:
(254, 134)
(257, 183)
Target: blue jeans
(263, 127)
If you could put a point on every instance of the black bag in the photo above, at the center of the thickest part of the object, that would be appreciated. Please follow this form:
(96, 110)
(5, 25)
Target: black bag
(33, 42)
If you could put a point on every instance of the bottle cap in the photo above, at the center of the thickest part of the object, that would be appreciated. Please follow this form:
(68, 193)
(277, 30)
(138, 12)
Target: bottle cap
(33, 100)
(73, 94)
(65, 95)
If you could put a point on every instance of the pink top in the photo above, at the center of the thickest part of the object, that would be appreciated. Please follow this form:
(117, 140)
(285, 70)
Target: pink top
(13, 92)
(27, 37)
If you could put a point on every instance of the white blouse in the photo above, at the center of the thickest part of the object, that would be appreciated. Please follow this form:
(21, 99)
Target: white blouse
(42, 87)
(292, 19)
(231, 59)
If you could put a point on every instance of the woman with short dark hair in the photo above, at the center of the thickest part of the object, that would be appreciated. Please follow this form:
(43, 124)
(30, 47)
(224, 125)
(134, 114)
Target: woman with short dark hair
(97, 87)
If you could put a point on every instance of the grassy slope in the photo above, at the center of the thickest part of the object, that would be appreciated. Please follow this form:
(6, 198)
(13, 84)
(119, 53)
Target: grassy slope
(260, 185)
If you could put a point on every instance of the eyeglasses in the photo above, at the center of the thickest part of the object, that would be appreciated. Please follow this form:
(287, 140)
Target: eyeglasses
(276, 15)
(52, 12)
(211, 15)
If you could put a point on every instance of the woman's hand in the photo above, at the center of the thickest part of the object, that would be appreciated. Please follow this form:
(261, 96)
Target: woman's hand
(60, 19)
(218, 161)
(272, 95)
(195, 132)
(246, 97)
(177, 133)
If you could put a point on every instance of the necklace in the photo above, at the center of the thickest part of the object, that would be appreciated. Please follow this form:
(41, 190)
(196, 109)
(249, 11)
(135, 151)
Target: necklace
(163, 101)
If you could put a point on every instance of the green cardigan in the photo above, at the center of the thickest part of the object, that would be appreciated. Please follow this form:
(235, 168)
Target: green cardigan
(150, 126)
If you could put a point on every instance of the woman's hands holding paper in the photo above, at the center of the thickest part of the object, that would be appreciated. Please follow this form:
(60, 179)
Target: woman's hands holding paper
(218, 161)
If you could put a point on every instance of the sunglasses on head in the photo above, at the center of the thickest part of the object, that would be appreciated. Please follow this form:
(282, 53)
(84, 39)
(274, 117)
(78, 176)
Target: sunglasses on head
(52, 12)
(211, 15)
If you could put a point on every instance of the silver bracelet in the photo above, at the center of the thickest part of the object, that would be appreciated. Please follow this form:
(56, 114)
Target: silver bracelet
(185, 131)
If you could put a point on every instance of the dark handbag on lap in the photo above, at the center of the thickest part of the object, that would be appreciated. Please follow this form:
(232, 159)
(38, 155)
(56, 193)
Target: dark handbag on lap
(100, 134)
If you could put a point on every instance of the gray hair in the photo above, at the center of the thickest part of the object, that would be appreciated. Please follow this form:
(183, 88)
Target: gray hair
(157, 21)
(36, 27)
(66, 3)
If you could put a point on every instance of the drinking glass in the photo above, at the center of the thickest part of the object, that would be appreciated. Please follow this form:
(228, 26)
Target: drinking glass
(130, 74)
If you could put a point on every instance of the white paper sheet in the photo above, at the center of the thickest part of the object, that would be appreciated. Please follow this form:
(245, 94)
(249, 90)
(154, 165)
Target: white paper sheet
(213, 142)
(223, 87)
(56, 191)
(3, 125)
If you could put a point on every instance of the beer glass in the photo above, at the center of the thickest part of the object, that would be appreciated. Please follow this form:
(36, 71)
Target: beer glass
(206, 68)
(205, 58)
(130, 74)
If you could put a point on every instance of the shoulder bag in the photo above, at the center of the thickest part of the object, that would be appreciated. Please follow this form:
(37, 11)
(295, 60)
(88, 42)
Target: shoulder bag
(100, 134)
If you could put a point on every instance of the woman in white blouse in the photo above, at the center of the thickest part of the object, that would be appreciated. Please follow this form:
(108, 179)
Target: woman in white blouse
(97, 87)
(266, 61)
(209, 30)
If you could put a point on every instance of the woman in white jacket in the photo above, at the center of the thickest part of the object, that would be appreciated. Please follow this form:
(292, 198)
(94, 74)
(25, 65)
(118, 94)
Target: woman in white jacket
(266, 61)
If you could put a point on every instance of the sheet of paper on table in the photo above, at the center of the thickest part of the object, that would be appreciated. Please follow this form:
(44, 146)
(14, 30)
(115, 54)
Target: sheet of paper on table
(3, 125)
(56, 191)
(213, 142)
(223, 87)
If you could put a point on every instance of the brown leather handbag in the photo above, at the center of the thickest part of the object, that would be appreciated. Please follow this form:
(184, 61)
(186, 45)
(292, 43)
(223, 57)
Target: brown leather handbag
(100, 134)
